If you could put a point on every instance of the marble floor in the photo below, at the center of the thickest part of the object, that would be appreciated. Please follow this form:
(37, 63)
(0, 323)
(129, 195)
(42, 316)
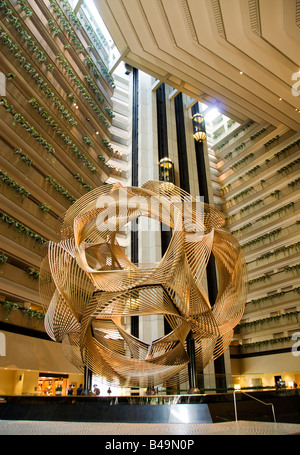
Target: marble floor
(10, 427)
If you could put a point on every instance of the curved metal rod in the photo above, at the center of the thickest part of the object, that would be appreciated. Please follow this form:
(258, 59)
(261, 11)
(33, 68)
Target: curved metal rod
(240, 391)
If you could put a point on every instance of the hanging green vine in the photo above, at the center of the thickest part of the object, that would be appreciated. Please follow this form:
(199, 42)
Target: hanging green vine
(13, 306)
(263, 321)
(60, 188)
(282, 249)
(268, 235)
(64, 113)
(259, 279)
(19, 227)
(81, 181)
(18, 118)
(277, 211)
(23, 156)
(3, 258)
(266, 342)
(14, 185)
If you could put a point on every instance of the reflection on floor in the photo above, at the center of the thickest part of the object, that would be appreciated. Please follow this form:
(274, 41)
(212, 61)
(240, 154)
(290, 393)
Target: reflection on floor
(10, 427)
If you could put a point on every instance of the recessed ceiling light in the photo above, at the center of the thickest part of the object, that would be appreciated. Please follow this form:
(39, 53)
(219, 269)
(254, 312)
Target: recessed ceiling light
(241, 72)
(280, 99)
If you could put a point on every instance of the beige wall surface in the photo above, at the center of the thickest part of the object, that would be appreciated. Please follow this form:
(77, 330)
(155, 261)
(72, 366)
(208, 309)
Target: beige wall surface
(29, 353)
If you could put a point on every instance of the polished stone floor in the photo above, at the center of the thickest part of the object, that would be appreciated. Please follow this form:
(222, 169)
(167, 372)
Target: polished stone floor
(9, 427)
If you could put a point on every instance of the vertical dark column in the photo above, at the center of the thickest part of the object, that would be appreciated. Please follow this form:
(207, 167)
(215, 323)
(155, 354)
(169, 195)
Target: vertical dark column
(163, 152)
(87, 379)
(162, 129)
(185, 185)
(134, 180)
(181, 144)
(211, 272)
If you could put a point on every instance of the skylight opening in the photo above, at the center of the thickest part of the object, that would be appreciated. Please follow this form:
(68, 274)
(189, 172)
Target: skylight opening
(212, 114)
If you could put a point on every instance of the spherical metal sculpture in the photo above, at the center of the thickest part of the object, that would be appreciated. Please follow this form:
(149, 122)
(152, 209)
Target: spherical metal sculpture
(89, 288)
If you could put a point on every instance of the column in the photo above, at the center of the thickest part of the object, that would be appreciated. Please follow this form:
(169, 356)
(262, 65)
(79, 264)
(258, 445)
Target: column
(211, 272)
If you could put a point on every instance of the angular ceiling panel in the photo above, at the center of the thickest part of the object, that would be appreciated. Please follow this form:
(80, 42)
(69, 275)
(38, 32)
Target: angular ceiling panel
(205, 44)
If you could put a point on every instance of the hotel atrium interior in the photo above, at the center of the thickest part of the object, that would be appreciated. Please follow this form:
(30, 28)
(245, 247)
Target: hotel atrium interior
(97, 92)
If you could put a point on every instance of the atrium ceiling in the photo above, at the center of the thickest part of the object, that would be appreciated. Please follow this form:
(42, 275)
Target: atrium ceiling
(241, 56)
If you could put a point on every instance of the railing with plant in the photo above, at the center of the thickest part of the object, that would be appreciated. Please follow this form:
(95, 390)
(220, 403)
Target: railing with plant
(101, 158)
(241, 229)
(266, 342)
(278, 211)
(23, 157)
(283, 249)
(254, 136)
(236, 134)
(63, 135)
(49, 92)
(93, 35)
(266, 276)
(33, 273)
(247, 207)
(288, 167)
(26, 65)
(292, 314)
(60, 189)
(18, 118)
(94, 87)
(259, 279)
(44, 208)
(272, 296)
(12, 184)
(70, 32)
(31, 44)
(81, 181)
(268, 164)
(21, 228)
(13, 306)
(69, 11)
(288, 147)
(292, 268)
(220, 146)
(271, 141)
(268, 235)
(294, 182)
(88, 141)
(82, 90)
(3, 258)
(242, 161)
(241, 194)
(64, 113)
(240, 146)
(253, 170)
(25, 8)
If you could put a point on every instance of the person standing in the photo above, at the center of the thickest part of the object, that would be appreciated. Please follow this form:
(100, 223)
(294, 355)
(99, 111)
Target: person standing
(96, 390)
(70, 390)
(79, 390)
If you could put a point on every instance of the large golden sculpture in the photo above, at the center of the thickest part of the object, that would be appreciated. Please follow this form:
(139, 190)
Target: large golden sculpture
(89, 288)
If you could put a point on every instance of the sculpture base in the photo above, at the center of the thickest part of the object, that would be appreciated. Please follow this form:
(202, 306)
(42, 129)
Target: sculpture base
(154, 409)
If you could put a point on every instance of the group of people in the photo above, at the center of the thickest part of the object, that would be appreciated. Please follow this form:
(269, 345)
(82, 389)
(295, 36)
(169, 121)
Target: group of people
(85, 392)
